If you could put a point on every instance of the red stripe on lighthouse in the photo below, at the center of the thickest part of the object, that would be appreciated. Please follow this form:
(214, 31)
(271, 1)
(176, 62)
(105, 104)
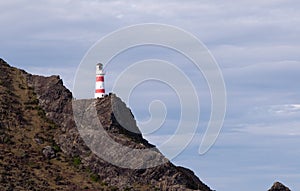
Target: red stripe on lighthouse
(100, 79)
(100, 91)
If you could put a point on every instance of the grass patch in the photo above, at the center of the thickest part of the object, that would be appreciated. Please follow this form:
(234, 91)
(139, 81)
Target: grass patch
(56, 148)
(104, 184)
(128, 188)
(113, 188)
(76, 161)
(95, 177)
(41, 113)
(32, 102)
(7, 140)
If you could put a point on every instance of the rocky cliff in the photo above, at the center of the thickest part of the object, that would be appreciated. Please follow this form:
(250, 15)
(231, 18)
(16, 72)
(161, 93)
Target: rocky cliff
(42, 147)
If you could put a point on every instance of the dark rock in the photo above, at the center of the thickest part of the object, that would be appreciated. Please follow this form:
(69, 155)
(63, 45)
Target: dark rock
(49, 152)
(38, 139)
(277, 186)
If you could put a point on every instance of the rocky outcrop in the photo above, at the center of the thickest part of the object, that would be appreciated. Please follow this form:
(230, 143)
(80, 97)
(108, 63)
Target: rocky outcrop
(41, 114)
(56, 100)
(277, 186)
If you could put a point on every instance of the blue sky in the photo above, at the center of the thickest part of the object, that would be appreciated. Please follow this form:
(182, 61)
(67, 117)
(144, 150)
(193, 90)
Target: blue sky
(255, 43)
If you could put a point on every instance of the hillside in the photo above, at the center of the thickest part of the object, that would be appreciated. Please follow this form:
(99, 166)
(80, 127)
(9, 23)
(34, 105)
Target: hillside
(41, 148)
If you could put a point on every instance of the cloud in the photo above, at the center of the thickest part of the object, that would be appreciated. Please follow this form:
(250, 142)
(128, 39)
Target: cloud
(281, 129)
(286, 109)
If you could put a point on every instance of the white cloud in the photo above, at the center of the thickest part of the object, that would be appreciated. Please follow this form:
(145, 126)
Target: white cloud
(286, 109)
(281, 129)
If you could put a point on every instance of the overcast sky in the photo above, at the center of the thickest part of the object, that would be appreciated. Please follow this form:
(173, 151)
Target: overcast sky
(255, 43)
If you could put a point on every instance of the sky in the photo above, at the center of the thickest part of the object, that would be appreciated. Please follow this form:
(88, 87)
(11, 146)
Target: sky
(255, 43)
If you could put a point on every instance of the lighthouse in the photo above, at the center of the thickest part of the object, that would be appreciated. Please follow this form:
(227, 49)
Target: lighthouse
(100, 91)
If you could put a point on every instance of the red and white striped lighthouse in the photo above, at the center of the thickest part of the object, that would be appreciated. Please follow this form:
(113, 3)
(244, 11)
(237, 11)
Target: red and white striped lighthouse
(100, 91)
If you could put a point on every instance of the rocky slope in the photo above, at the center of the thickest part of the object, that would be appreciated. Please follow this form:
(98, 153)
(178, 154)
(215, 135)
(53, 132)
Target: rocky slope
(41, 148)
(277, 186)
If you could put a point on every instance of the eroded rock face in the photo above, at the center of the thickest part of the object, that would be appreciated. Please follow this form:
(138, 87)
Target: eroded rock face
(277, 186)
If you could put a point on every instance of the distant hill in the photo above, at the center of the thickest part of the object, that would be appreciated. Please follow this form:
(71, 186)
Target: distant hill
(41, 149)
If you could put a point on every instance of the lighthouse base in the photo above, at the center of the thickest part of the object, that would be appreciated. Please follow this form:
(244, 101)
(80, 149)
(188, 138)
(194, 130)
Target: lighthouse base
(99, 95)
